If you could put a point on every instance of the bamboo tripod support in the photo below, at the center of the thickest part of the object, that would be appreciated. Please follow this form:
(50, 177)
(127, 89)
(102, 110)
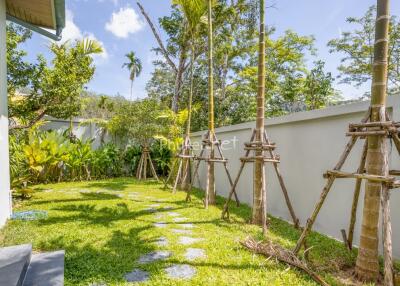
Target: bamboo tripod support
(185, 157)
(265, 146)
(385, 128)
(141, 172)
(208, 141)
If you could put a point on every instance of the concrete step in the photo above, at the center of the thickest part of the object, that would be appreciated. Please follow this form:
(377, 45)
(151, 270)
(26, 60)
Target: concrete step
(46, 269)
(14, 262)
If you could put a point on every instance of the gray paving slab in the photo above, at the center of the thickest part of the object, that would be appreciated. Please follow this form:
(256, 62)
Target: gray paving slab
(195, 253)
(154, 256)
(137, 275)
(180, 271)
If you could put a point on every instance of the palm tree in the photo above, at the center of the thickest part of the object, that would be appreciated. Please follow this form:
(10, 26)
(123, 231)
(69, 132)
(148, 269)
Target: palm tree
(367, 265)
(193, 11)
(210, 190)
(134, 66)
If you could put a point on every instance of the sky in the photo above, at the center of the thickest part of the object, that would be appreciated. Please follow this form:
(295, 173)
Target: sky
(120, 28)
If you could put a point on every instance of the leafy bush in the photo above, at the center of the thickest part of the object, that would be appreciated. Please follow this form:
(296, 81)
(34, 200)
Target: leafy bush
(161, 155)
(131, 158)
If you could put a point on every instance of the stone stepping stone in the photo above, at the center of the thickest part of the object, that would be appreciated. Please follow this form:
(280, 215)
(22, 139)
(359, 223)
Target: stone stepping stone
(173, 214)
(162, 241)
(137, 275)
(179, 219)
(180, 271)
(154, 206)
(98, 284)
(150, 210)
(85, 192)
(160, 224)
(182, 231)
(187, 240)
(187, 225)
(160, 200)
(158, 216)
(154, 256)
(167, 208)
(195, 253)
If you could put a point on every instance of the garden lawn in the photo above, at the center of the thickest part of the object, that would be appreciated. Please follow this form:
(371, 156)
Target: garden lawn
(105, 226)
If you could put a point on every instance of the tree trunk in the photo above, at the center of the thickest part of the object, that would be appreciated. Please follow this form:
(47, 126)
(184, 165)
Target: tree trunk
(186, 161)
(367, 265)
(178, 80)
(210, 167)
(259, 203)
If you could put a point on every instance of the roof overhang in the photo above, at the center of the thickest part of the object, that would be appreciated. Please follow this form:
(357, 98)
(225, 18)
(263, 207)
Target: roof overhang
(38, 15)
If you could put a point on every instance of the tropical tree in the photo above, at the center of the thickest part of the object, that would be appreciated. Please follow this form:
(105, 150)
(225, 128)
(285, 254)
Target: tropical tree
(193, 10)
(367, 265)
(134, 65)
(357, 48)
(52, 90)
(259, 198)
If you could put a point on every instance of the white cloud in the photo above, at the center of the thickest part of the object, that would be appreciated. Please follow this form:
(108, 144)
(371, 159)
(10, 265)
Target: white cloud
(124, 22)
(72, 33)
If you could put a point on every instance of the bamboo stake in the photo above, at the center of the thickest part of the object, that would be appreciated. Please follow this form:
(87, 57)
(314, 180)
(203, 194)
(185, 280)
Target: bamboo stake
(227, 171)
(328, 186)
(153, 169)
(139, 166)
(196, 169)
(226, 206)
(324, 193)
(282, 184)
(356, 196)
(177, 176)
(145, 165)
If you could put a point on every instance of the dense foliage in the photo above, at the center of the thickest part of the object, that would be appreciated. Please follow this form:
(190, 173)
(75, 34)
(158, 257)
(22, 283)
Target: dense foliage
(50, 156)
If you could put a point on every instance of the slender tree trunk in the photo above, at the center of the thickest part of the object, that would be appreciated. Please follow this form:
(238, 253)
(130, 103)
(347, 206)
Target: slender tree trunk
(367, 265)
(186, 161)
(210, 165)
(259, 200)
(132, 90)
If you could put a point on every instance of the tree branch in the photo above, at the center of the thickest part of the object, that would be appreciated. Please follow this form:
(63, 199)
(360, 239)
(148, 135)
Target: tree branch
(30, 124)
(158, 38)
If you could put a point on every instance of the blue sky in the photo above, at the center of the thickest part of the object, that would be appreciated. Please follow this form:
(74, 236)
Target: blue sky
(120, 28)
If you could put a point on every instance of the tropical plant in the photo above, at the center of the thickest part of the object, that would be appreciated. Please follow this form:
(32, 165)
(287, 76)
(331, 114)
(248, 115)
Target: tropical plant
(367, 265)
(259, 192)
(162, 155)
(48, 89)
(131, 157)
(134, 65)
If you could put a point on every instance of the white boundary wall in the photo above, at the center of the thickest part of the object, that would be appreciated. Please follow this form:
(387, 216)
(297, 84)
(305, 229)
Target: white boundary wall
(309, 143)
(5, 196)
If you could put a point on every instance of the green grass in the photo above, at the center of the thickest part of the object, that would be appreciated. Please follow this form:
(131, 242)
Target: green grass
(104, 235)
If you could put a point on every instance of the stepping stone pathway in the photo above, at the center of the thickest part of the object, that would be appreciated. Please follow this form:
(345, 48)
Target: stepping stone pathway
(154, 256)
(187, 240)
(160, 224)
(194, 253)
(186, 225)
(173, 214)
(182, 231)
(137, 275)
(154, 206)
(162, 241)
(158, 216)
(179, 219)
(182, 271)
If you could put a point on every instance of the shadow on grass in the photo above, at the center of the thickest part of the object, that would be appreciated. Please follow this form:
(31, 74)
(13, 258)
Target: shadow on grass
(105, 216)
(93, 263)
(85, 197)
